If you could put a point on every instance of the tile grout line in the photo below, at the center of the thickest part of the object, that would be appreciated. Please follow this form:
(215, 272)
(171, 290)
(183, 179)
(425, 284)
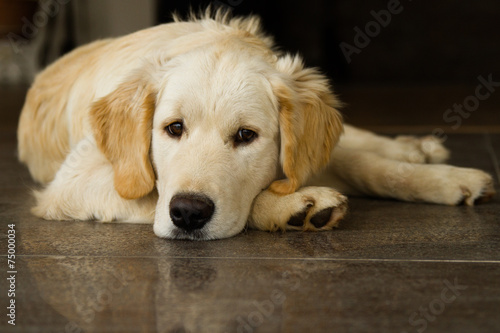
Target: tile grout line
(458, 261)
(493, 156)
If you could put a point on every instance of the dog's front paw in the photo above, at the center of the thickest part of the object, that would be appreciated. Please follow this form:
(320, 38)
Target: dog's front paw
(310, 208)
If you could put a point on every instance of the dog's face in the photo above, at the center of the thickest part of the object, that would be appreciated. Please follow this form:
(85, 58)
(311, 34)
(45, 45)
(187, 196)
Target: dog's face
(210, 129)
(215, 144)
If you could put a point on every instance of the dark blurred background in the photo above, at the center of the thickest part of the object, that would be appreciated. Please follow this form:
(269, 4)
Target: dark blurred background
(438, 41)
(396, 64)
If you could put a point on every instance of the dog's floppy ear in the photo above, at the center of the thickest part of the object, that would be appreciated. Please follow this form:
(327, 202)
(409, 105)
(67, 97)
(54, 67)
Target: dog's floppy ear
(122, 125)
(310, 124)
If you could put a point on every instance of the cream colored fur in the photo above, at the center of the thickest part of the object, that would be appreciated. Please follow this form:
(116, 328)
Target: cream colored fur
(93, 132)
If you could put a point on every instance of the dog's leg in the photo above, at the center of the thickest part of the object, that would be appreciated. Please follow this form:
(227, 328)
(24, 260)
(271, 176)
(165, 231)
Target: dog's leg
(310, 208)
(427, 149)
(83, 189)
(361, 172)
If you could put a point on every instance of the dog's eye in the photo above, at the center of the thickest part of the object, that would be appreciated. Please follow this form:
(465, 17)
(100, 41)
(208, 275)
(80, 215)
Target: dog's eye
(174, 129)
(244, 136)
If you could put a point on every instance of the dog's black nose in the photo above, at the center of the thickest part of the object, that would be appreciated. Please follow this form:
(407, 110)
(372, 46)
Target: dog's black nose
(191, 211)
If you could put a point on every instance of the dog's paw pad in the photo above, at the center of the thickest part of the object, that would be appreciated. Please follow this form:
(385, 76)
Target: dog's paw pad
(328, 209)
(321, 218)
(298, 219)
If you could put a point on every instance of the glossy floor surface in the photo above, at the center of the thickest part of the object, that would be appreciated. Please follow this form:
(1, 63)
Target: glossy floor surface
(390, 267)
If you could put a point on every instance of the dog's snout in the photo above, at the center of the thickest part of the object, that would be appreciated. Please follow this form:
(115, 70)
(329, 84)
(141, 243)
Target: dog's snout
(191, 211)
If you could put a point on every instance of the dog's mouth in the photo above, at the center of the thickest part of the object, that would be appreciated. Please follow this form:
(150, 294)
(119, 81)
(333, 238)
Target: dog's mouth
(198, 234)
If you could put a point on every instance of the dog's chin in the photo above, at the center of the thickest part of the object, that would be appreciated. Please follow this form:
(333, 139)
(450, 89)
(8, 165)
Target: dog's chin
(197, 235)
(178, 233)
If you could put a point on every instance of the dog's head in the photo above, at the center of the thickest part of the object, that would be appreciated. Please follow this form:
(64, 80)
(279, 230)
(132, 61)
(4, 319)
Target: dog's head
(212, 128)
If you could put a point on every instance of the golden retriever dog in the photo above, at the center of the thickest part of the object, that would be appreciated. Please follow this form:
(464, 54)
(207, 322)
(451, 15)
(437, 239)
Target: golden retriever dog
(202, 128)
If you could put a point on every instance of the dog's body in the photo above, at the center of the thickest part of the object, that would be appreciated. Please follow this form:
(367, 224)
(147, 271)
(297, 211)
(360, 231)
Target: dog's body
(200, 127)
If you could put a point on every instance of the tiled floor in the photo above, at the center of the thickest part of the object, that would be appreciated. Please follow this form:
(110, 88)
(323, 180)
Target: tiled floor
(390, 267)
